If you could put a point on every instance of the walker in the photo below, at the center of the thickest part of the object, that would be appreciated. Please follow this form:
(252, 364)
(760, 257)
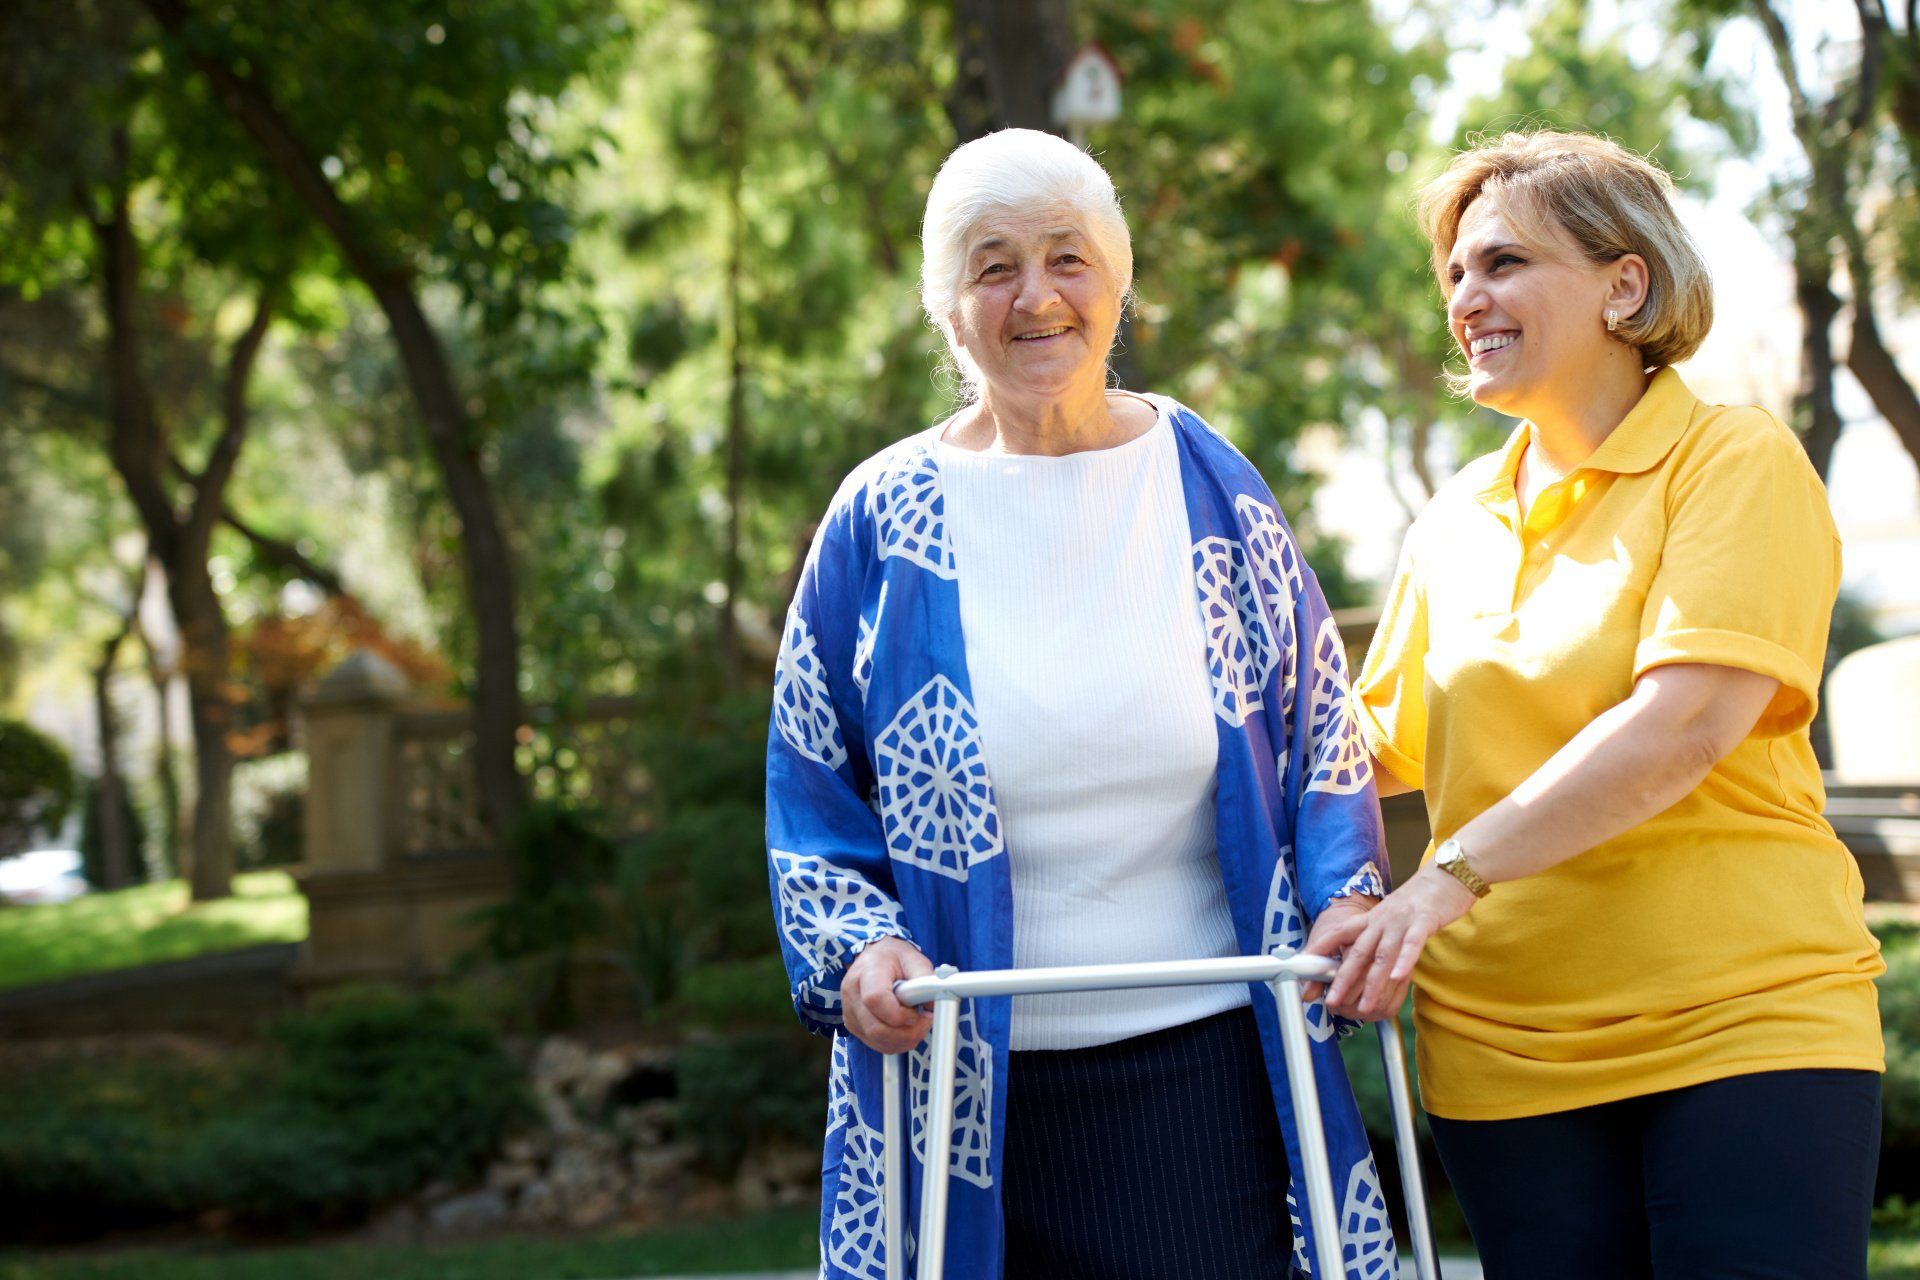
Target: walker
(1283, 972)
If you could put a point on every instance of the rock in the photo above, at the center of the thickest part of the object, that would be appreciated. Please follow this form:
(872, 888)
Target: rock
(559, 1063)
(658, 1166)
(537, 1205)
(528, 1148)
(465, 1214)
(508, 1176)
(596, 1080)
(579, 1172)
(556, 1111)
(595, 1210)
(648, 1124)
(777, 1177)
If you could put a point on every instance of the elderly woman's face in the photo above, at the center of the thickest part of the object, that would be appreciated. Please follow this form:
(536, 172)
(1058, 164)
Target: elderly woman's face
(1037, 309)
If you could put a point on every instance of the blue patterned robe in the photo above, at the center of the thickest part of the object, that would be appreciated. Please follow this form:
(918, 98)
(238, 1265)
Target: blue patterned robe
(881, 821)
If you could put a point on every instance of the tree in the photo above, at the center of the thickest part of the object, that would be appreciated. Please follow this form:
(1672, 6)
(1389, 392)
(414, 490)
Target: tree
(1839, 135)
(75, 73)
(382, 119)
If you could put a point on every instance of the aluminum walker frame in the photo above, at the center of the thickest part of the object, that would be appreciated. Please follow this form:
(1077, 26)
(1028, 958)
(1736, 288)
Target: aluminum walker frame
(1282, 972)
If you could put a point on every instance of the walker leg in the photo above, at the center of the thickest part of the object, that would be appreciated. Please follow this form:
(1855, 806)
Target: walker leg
(893, 1187)
(1406, 1145)
(944, 1049)
(1329, 1261)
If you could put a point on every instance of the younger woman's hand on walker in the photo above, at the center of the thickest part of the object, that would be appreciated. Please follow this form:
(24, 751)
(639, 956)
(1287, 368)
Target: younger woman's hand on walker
(1377, 950)
(874, 1014)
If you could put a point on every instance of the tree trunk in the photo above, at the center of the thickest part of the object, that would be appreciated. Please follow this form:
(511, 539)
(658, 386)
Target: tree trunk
(1011, 52)
(443, 418)
(736, 414)
(1814, 416)
(163, 765)
(206, 655)
(110, 794)
(1874, 366)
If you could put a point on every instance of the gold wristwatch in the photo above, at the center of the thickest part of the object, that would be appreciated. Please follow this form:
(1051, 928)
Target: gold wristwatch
(1452, 859)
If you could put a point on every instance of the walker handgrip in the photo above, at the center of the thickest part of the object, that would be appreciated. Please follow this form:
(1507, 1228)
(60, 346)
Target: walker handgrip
(1116, 977)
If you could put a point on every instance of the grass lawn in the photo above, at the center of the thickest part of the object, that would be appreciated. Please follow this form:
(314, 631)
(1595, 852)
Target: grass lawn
(102, 931)
(782, 1240)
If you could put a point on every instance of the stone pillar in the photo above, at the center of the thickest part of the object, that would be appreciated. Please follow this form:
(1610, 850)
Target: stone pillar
(1873, 714)
(351, 765)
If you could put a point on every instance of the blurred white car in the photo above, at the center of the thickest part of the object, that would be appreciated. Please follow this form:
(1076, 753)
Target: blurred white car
(42, 875)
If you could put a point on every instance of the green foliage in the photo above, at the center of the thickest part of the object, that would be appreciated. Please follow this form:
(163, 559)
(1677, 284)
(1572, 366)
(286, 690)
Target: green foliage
(754, 1089)
(36, 786)
(779, 1241)
(1900, 1024)
(366, 1097)
(377, 1093)
(92, 856)
(145, 925)
(560, 860)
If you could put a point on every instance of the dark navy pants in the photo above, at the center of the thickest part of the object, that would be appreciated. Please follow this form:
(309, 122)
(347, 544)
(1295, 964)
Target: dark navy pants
(1755, 1177)
(1153, 1158)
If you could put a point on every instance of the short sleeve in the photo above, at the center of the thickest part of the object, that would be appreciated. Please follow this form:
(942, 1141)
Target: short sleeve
(1390, 697)
(1748, 572)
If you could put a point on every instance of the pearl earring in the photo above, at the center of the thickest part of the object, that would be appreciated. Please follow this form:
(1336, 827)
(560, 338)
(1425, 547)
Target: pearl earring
(1613, 319)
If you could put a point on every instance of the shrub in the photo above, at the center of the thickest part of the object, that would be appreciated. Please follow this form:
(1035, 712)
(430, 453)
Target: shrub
(758, 1088)
(93, 858)
(366, 1097)
(269, 805)
(36, 786)
(560, 861)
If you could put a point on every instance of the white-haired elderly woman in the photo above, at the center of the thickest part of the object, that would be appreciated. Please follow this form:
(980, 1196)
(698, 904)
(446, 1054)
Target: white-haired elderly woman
(1057, 688)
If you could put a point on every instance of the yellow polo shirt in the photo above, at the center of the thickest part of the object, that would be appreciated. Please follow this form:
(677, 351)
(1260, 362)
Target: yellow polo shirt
(1722, 937)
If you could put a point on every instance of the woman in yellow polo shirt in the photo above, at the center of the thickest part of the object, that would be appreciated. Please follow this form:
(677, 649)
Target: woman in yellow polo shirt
(1648, 1032)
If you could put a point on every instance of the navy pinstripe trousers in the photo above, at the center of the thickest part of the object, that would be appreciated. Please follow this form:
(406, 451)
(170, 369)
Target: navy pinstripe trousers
(1153, 1158)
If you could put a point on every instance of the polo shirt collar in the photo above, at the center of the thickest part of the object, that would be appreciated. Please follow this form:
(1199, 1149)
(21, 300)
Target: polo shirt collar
(1644, 437)
(1650, 430)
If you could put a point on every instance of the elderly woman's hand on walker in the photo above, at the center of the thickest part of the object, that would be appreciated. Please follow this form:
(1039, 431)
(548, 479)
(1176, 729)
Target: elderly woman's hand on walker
(874, 1014)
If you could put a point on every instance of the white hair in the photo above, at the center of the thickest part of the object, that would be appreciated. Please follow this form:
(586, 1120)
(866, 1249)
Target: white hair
(1009, 170)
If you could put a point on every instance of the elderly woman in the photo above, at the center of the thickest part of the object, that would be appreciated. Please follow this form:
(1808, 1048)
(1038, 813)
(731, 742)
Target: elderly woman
(1057, 688)
(1647, 1021)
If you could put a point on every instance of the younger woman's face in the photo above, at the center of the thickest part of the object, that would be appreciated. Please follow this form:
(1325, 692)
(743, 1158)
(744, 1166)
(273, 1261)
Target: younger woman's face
(1529, 312)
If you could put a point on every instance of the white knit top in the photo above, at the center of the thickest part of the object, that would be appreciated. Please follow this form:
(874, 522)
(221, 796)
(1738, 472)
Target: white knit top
(1088, 663)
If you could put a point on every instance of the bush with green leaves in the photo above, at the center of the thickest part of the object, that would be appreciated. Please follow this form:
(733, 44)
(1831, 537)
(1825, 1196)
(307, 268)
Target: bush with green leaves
(36, 786)
(755, 1089)
(359, 1100)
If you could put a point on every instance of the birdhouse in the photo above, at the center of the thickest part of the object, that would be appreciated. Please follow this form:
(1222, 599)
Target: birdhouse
(1088, 90)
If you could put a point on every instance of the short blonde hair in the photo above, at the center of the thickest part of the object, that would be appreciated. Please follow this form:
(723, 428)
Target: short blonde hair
(1610, 201)
(1012, 169)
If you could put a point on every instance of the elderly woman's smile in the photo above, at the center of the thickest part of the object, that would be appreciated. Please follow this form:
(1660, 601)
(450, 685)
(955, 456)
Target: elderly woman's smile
(1037, 305)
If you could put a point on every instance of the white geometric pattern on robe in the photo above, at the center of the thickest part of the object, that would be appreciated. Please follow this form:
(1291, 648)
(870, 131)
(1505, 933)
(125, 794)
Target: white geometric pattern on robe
(1339, 756)
(1276, 569)
(839, 1087)
(1287, 927)
(1240, 646)
(909, 514)
(936, 803)
(826, 912)
(863, 647)
(802, 707)
(1302, 1263)
(857, 1235)
(1366, 880)
(972, 1156)
(1364, 1226)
